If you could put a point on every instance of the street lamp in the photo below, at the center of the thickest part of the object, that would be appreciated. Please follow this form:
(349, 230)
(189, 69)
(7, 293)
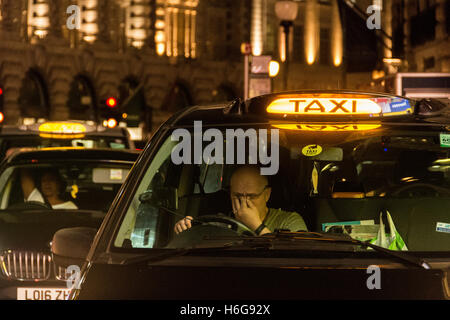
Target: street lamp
(286, 11)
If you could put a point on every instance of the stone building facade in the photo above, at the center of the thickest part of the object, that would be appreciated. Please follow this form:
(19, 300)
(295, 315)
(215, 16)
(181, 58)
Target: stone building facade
(61, 59)
(50, 70)
(423, 34)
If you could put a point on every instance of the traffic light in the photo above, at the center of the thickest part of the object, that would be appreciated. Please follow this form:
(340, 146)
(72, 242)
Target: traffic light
(110, 114)
(111, 102)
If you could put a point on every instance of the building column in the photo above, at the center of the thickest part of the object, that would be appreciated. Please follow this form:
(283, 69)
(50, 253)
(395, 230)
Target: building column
(11, 67)
(55, 9)
(387, 23)
(407, 39)
(104, 25)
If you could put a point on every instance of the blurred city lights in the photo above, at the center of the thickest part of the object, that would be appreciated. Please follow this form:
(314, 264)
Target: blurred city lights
(274, 68)
(111, 102)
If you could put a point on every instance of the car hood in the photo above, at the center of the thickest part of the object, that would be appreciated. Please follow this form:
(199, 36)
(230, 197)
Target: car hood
(230, 281)
(33, 230)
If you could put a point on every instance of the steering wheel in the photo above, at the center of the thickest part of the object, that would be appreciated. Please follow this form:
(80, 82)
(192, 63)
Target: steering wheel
(400, 190)
(210, 226)
(29, 205)
(227, 222)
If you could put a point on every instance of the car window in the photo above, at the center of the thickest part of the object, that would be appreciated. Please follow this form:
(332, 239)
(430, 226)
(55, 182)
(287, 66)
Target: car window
(82, 186)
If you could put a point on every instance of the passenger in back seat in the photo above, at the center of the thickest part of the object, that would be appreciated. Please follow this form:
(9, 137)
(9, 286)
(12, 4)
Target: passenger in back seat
(249, 195)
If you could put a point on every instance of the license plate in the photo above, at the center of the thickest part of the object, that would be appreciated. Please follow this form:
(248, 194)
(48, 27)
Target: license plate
(42, 293)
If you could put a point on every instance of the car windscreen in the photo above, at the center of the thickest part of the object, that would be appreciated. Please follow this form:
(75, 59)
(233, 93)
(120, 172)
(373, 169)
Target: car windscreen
(386, 185)
(8, 144)
(74, 185)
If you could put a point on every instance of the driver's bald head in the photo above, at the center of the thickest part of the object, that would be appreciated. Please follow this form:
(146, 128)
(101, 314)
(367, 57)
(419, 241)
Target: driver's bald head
(248, 174)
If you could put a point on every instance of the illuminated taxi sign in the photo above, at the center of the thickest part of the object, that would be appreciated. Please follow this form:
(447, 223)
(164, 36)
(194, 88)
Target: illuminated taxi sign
(61, 130)
(62, 127)
(61, 136)
(328, 127)
(324, 106)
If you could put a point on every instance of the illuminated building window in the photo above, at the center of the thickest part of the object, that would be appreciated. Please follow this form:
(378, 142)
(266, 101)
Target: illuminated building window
(137, 22)
(89, 26)
(38, 18)
(175, 27)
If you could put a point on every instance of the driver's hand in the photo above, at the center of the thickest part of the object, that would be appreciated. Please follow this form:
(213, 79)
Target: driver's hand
(246, 212)
(183, 224)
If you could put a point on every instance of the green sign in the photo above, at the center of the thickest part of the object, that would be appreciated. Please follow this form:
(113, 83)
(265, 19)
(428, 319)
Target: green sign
(445, 140)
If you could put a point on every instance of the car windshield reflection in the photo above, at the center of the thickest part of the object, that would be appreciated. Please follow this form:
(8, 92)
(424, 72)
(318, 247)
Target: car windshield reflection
(361, 183)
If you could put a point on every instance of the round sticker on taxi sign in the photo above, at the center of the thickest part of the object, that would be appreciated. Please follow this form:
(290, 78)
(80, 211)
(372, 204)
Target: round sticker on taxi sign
(312, 150)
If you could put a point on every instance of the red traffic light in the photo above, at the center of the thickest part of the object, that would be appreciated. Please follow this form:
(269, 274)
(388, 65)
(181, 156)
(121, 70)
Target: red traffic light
(1, 91)
(111, 102)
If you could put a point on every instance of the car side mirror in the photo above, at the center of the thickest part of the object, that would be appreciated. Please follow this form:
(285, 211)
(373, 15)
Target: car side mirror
(161, 197)
(70, 246)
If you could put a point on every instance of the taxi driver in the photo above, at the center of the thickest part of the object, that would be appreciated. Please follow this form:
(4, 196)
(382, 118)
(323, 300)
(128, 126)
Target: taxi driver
(250, 192)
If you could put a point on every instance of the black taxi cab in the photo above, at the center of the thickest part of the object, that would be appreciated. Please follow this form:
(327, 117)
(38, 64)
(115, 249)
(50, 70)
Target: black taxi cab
(63, 134)
(42, 191)
(350, 199)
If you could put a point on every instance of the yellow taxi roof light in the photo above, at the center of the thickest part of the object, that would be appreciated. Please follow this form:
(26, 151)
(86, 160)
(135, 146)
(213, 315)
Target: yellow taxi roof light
(62, 128)
(324, 106)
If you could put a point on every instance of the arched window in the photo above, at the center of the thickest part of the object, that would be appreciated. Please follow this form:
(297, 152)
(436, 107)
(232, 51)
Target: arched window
(82, 101)
(178, 98)
(132, 103)
(33, 96)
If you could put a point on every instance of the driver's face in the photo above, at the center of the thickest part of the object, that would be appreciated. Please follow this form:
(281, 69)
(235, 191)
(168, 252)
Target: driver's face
(49, 185)
(249, 185)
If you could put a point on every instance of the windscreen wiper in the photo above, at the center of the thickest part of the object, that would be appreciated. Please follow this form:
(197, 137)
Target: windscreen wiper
(316, 236)
(264, 240)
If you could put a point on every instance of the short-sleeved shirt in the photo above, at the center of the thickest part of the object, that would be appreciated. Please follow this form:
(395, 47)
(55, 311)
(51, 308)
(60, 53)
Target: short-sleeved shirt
(279, 219)
(35, 195)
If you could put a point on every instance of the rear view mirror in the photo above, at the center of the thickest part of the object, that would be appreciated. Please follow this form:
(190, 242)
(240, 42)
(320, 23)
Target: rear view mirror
(330, 154)
(109, 175)
(326, 154)
(161, 197)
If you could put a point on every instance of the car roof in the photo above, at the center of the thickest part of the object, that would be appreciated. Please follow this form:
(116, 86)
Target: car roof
(73, 154)
(252, 111)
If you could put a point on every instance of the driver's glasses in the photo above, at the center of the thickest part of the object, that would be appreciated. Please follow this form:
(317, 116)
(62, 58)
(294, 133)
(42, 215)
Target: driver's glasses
(251, 196)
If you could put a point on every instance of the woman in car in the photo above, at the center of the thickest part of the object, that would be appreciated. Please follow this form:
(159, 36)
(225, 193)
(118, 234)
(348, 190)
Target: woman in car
(51, 187)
